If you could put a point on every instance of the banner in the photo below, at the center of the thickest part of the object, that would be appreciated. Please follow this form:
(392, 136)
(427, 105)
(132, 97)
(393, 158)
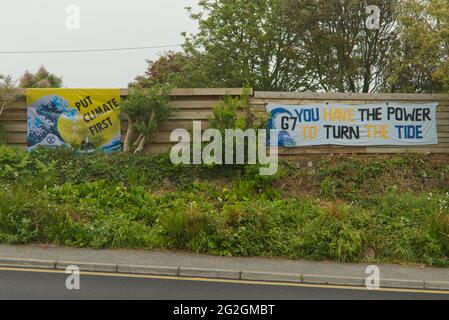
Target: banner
(354, 125)
(86, 119)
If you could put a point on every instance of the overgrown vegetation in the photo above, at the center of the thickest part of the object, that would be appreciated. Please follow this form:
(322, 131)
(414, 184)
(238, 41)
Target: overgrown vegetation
(390, 208)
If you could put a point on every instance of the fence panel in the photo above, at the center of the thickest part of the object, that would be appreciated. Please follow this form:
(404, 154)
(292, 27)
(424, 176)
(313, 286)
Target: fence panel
(197, 104)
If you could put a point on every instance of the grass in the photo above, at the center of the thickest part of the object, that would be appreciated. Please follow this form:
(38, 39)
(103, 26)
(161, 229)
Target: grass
(348, 209)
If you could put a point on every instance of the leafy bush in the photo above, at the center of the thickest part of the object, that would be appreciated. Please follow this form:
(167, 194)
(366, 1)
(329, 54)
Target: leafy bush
(236, 113)
(24, 217)
(145, 110)
(13, 162)
(18, 165)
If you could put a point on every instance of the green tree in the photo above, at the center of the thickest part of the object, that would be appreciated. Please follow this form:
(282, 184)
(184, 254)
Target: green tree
(341, 53)
(177, 69)
(312, 45)
(145, 110)
(8, 92)
(422, 63)
(247, 43)
(41, 79)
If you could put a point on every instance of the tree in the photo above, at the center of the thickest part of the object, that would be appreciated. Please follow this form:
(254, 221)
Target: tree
(295, 45)
(312, 45)
(8, 92)
(422, 63)
(337, 47)
(41, 79)
(244, 42)
(173, 68)
(145, 110)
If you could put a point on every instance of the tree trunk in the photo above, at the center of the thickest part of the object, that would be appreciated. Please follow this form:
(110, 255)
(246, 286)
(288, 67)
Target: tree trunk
(128, 136)
(1, 109)
(141, 145)
(142, 138)
(139, 138)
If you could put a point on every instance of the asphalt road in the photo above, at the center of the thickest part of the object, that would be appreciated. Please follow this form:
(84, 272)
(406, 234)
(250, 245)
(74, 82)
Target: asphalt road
(16, 284)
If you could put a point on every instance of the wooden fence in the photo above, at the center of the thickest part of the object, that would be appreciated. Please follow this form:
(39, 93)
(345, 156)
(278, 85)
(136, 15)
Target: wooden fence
(196, 104)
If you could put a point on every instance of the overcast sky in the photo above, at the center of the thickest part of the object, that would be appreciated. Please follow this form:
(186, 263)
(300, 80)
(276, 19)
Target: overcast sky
(30, 25)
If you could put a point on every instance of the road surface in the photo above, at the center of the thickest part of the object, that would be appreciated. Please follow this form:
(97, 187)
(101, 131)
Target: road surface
(39, 284)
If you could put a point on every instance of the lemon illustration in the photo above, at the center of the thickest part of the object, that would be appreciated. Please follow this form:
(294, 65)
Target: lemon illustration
(72, 129)
(75, 131)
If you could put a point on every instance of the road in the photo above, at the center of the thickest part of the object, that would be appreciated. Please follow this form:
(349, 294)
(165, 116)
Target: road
(35, 284)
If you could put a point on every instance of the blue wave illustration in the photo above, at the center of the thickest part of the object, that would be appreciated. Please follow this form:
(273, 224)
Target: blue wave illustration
(42, 120)
(284, 138)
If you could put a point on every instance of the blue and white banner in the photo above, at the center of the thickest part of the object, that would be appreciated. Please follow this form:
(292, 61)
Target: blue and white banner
(403, 124)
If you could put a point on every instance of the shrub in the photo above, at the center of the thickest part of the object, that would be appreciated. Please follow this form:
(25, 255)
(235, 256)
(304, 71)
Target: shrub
(13, 162)
(8, 92)
(189, 226)
(333, 233)
(113, 231)
(145, 110)
(413, 227)
(18, 165)
(25, 218)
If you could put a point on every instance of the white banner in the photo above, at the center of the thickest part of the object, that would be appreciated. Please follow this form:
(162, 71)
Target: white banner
(354, 125)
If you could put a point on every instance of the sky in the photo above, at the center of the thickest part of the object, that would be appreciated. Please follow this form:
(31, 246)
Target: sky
(37, 25)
